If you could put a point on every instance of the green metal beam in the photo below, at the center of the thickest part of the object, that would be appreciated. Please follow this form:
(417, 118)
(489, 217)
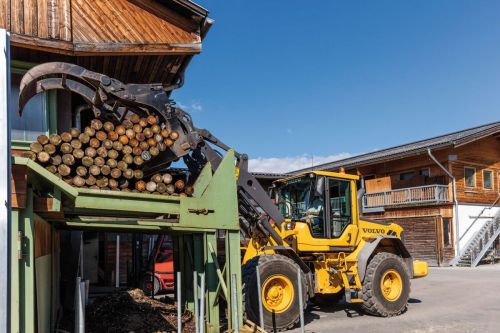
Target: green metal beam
(211, 283)
(14, 272)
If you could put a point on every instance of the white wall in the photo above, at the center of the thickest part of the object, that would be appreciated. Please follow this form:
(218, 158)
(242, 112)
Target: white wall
(467, 214)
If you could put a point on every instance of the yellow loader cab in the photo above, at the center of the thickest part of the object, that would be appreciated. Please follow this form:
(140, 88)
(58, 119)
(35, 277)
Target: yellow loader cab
(338, 250)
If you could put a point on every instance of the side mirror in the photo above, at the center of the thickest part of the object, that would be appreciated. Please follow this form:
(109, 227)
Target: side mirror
(320, 187)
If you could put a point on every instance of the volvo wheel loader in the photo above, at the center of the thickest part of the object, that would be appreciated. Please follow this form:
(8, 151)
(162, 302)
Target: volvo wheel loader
(313, 220)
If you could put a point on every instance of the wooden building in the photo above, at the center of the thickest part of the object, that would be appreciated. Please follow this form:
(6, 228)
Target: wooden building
(405, 185)
(135, 41)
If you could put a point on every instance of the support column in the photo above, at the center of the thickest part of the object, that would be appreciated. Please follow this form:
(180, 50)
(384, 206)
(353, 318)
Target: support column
(27, 292)
(14, 271)
(233, 266)
(212, 304)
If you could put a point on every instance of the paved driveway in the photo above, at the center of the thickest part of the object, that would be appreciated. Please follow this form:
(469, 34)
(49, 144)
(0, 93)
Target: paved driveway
(448, 300)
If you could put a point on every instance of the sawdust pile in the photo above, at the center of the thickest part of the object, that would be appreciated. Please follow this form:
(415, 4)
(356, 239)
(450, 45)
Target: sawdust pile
(132, 311)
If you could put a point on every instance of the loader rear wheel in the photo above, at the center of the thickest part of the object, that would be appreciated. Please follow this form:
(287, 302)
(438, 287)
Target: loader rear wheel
(279, 291)
(386, 287)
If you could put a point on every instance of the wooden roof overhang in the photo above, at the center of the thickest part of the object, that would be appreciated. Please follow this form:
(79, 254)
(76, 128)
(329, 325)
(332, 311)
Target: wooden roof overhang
(115, 37)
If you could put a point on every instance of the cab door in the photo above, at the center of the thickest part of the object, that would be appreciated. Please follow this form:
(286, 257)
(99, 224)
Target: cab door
(341, 211)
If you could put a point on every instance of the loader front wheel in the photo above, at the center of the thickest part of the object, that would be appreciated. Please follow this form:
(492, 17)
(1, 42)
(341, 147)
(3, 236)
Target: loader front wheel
(386, 287)
(279, 291)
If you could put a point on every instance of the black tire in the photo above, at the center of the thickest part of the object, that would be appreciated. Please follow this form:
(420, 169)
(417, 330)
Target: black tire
(375, 303)
(146, 285)
(272, 265)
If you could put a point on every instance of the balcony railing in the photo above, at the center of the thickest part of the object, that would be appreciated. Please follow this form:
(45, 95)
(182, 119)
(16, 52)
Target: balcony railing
(429, 194)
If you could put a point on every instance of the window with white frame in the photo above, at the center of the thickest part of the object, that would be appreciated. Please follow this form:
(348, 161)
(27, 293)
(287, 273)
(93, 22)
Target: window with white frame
(470, 177)
(488, 179)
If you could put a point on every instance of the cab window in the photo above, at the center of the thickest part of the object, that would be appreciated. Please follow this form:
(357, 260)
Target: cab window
(340, 206)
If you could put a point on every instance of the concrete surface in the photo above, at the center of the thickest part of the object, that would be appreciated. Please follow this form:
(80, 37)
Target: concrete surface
(447, 300)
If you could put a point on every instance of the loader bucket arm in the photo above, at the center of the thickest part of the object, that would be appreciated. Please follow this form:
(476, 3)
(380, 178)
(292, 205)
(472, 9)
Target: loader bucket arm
(113, 100)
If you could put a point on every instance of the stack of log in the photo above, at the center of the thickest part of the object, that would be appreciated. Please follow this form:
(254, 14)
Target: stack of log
(109, 157)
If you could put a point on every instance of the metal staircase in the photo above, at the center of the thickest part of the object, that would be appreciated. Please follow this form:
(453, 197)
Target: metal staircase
(480, 244)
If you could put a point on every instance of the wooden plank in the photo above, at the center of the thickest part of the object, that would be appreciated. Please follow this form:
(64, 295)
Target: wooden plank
(64, 15)
(53, 19)
(93, 48)
(56, 46)
(3, 14)
(42, 19)
(30, 17)
(19, 186)
(17, 16)
(43, 236)
(378, 184)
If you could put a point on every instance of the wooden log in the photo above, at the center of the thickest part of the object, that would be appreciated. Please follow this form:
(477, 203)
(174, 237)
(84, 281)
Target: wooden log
(36, 147)
(130, 133)
(55, 139)
(157, 178)
(43, 157)
(108, 126)
(167, 178)
(161, 187)
(113, 136)
(137, 151)
(116, 173)
(138, 160)
(120, 130)
(174, 135)
(140, 137)
(76, 144)
(51, 168)
(133, 143)
(137, 128)
(127, 150)
(129, 159)
(66, 137)
(55, 160)
(138, 174)
(87, 161)
(75, 133)
(107, 143)
(140, 185)
(29, 154)
(143, 145)
(156, 129)
(106, 170)
(124, 139)
(134, 118)
(122, 165)
(66, 148)
(78, 181)
(68, 159)
(113, 154)
(128, 173)
(127, 124)
(84, 138)
(152, 120)
(102, 182)
(94, 170)
(90, 181)
(90, 152)
(96, 124)
(42, 139)
(113, 183)
(94, 143)
(148, 133)
(68, 180)
(99, 161)
(168, 142)
(165, 133)
(123, 183)
(94, 187)
(101, 135)
(117, 145)
(151, 142)
(89, 131)
(146, 156)
(102, 152)
(112, 163)
(170, 189)
(179, 185)
(81, 171)
(154, 151)
(158, 138)
(189, 190)
(143, 122)
(78, 153)
(49, 148)
(151, 186)
(63, 170)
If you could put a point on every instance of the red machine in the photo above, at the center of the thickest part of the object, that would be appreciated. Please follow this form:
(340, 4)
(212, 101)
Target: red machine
(162, 262)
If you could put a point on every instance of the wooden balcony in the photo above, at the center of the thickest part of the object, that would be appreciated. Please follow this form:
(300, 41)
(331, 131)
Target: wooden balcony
(411, 196)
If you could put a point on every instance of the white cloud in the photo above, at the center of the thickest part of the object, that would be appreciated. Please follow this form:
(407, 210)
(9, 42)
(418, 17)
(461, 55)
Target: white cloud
(193, 106)
(287, 164)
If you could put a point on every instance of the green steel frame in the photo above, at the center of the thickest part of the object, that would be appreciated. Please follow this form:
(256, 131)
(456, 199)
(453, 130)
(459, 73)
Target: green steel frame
(194, 222)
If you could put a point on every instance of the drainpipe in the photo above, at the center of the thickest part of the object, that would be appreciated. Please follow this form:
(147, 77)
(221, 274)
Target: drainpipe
(455, 201)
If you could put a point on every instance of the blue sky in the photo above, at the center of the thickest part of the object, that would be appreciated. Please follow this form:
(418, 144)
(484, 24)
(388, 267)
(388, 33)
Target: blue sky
(287, 80)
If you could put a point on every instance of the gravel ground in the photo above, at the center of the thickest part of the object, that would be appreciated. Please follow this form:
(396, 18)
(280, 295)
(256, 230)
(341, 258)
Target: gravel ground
(447, 300)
